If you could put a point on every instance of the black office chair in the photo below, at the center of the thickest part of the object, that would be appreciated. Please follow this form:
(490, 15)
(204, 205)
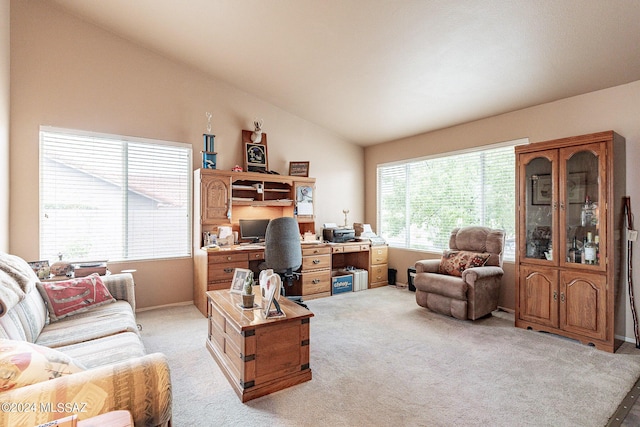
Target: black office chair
(283, 252)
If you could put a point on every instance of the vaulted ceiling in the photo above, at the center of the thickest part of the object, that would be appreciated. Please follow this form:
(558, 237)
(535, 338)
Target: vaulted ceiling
(378, 70)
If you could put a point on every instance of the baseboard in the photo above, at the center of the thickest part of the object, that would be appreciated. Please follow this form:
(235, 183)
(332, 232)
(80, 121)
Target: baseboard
(175, 304)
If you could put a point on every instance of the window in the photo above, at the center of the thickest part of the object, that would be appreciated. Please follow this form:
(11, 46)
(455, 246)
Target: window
(108, 197)
(420, 201)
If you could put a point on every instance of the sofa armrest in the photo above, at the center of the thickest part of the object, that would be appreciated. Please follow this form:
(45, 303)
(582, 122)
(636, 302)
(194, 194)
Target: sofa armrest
(122, 287)
(141, 386)
(427, 266)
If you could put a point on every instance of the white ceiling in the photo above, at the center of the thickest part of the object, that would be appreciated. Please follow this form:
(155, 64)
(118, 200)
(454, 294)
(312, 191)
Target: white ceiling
(377, 70)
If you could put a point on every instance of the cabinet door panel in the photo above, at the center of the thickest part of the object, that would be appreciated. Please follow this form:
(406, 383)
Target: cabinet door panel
(537, 207)
(215, 206)
(582, 199)
(539, 296)
(583, 304)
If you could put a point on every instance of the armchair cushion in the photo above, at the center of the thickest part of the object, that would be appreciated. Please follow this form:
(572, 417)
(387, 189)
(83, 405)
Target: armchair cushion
(69, 297)
(23, 364)
(455, 262)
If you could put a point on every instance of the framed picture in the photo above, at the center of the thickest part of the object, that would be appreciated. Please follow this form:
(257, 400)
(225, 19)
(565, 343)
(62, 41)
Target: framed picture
(255, 157)
(255, 154)
(239, 278)
(299, 168)
(271, 291)
(541, 190)
(576, 187)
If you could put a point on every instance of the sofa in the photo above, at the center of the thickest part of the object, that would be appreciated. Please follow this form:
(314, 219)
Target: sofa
(57, 360)
(465, 282)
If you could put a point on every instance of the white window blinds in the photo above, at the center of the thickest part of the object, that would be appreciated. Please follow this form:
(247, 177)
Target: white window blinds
(113, 197)
(421, 201)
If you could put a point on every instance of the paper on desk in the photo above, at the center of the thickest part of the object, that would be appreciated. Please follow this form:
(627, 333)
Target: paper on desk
(224, 231)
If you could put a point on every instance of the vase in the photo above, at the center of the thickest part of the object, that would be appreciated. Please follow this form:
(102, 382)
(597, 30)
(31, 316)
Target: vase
(247, 300)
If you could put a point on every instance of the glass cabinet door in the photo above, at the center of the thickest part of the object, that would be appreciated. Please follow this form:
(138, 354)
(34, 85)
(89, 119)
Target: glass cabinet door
(581, 215)
(538, 206)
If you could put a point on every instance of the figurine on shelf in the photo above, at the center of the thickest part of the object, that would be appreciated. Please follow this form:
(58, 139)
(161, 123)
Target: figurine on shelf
(256, 136)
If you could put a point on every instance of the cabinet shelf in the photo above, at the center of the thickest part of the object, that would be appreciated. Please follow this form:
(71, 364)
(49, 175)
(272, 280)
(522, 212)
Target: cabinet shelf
(264, 203)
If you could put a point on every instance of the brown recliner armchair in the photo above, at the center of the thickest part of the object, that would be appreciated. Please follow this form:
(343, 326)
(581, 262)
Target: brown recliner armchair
(465, 282)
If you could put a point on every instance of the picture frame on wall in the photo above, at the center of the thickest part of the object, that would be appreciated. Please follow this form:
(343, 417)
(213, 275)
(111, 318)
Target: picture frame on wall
(541, 190)
(576, 187)
(299, 169)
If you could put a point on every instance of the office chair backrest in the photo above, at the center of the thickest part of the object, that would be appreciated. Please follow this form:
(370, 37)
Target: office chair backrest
(282, 245)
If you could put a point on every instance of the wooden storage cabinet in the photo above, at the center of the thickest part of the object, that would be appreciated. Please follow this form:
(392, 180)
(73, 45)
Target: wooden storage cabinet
(569, 190)
(213, 195)
(378, 267)
(257, 355)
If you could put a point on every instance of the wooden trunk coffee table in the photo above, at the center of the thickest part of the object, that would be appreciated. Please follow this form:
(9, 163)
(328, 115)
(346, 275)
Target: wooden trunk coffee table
(258, 355)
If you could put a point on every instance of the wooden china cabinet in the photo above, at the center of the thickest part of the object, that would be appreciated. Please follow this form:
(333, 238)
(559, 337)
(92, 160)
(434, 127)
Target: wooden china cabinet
(569, 228)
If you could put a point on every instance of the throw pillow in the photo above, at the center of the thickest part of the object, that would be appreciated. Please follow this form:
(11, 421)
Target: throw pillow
(69, 297)
(455, 262)
(23, 363)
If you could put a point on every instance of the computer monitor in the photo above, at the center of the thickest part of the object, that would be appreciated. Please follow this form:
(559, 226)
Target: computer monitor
(253, 229)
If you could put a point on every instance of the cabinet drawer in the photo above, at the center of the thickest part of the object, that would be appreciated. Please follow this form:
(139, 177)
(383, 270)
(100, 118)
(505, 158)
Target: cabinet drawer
(379, 273)
(224, 271)
(317, 262)
(316, 251)
(315, 282)
(378, 254)
(217, 258)
(351, 248)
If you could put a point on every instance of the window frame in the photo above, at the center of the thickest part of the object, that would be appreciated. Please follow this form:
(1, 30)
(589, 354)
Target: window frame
(510, 257)
(126, 214)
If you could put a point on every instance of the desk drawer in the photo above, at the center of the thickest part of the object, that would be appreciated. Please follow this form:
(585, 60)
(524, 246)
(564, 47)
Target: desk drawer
(316, 251)
(316, 262)
(224, 271)
(379, 273)
(217, 258)
(256, 255)
(316, 282)
(379, 255)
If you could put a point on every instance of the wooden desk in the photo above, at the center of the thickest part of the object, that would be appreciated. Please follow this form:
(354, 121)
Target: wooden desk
(214, 270)
(257, 355)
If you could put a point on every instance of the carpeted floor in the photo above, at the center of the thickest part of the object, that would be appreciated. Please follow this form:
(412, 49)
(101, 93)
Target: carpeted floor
(378, 359)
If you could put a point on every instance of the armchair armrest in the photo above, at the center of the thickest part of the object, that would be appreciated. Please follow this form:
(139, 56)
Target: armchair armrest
(141, 386)
(471, 275)
(427, 266)
(122, 287)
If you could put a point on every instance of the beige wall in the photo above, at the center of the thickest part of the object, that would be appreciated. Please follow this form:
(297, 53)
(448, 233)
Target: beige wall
(68, 73)
(4, 124)
(615, 109)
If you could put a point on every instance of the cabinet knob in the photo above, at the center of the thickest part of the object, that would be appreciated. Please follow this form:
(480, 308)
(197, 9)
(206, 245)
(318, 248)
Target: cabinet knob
(315, 281)
(555, 295)
(562, 297)
(316, 261)
(228, 270)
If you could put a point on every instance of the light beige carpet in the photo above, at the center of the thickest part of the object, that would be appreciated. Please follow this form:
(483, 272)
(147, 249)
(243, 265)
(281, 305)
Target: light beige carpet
(378, 359)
